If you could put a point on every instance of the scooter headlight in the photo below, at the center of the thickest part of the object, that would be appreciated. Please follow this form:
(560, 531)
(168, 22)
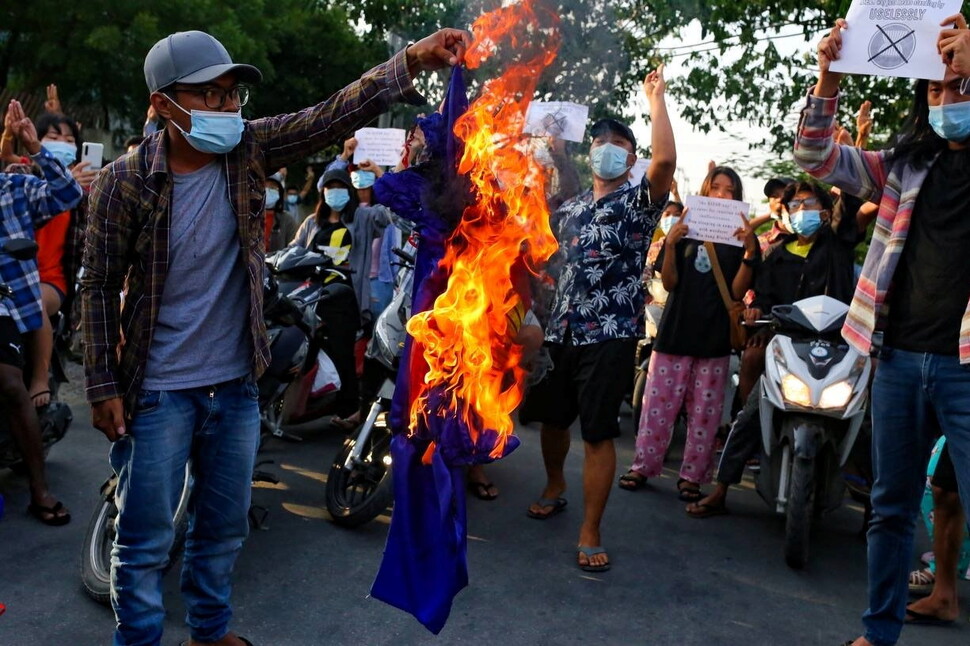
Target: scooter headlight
(836, 396)
(795, 391)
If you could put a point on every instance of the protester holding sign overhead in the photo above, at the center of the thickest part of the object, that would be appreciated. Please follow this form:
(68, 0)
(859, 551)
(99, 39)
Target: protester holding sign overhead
(691, 355)
(915, 286)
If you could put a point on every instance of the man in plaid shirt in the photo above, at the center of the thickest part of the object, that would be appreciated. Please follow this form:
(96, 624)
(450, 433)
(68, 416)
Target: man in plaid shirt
(26, 203)
(177, 223)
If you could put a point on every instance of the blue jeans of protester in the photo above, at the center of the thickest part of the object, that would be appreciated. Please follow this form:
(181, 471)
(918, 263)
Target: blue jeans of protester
(381, 294)
(217, 428)
(907, 389)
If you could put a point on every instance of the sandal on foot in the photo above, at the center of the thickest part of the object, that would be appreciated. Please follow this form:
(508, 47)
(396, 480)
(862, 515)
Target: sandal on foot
(914, 618)
(33, 398)
(921, 581)
(703, 510)
(688, 491)
(482, 490)
(632, 481)
(557, 504)
(589, 552)
(49, 515)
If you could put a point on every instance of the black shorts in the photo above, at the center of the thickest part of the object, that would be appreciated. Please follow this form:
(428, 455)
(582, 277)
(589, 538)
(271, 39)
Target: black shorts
(587, 381)
(11, 344)
(945, 477)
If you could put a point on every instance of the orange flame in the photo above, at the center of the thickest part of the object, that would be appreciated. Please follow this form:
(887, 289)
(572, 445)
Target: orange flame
(467, 337)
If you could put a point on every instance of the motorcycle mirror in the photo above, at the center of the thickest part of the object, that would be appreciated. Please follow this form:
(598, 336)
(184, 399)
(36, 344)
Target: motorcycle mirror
(20, 248)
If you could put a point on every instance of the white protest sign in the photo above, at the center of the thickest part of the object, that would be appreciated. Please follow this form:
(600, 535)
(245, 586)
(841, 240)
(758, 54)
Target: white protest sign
(638, 171)
(383, 146)
(557, 119)
(894, 38)
(715, 220)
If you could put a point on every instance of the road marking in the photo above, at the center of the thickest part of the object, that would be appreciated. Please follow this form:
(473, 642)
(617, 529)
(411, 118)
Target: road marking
(306, 473)
(307, 511)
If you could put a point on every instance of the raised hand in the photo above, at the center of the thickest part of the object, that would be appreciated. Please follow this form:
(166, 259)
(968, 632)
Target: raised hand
(53, 103)
(954, 44)
(22, 127)
(745, 233)
(349, 147)
(678, 231)
(444, 48)
(654, 84)
(863, 120)
(372, 167)
(830, 48)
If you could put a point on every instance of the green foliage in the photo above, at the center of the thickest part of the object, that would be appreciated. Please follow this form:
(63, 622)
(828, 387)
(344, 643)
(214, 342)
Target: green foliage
(94, 50)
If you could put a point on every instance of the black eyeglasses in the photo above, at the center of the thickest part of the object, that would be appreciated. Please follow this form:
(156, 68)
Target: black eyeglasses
(808, 202)
(215, 97)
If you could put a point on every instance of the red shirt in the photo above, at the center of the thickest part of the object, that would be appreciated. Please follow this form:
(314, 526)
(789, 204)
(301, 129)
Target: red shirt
(51, 239)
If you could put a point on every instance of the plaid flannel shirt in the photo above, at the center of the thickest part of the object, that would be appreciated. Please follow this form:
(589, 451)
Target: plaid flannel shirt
(126, 244)
(869, 176)
(27, 203)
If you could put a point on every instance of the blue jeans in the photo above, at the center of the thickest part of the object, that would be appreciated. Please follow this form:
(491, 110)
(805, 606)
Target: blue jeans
(217, 428)
(908, 388)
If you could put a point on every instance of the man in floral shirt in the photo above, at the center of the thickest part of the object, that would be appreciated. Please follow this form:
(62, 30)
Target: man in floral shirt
(597, 313)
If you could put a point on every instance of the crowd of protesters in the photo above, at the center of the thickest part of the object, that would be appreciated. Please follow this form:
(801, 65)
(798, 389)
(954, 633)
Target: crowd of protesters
(195, 203)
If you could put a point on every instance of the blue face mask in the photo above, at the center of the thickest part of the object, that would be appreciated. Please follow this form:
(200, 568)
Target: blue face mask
(272, 197)
(63, 152)
(667, 222)
(609, 161)
(363, 178)
(805, 223)
(213, 132)
(951, 121)
(292, 198)
(336, 198)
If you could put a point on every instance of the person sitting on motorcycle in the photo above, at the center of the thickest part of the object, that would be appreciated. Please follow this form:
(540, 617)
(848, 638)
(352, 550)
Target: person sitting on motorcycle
(27, 202)
(326, 231)
(689, 363)
(816, 259)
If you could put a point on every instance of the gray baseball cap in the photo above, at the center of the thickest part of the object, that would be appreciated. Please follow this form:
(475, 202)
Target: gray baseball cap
(192, 57)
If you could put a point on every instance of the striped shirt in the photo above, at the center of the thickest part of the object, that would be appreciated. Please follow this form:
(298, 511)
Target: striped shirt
(870, 176)
(27, 203)
(129, 217)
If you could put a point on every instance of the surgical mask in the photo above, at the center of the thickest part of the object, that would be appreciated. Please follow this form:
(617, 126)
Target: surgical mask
(293, 198)
(336, 198)
(805, 223)
(62, 151)
(272, 197)
(609, 161)
(951, 121)
(362, 178)
(213, 132)
(667, 222)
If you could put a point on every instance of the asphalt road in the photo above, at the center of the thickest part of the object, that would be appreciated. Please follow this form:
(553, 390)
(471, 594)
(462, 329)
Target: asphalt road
(302, 580)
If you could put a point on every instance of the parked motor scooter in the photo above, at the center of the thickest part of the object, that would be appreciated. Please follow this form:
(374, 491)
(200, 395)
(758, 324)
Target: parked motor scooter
(813, 401)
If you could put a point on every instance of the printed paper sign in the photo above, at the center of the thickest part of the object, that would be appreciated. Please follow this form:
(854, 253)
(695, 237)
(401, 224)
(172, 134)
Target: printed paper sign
(383, 146)
(557, 119)
(894, 38)
(638, 171)
(714, 220)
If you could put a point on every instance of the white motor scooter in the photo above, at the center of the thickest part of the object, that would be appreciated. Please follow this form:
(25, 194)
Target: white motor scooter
(813, 401)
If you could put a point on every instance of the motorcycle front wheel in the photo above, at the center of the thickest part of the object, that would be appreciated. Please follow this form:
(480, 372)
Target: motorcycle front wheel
(100, 536)
(798, 523)
(359, 494)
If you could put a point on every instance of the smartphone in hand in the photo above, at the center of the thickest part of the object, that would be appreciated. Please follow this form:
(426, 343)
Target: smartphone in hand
(93, 153)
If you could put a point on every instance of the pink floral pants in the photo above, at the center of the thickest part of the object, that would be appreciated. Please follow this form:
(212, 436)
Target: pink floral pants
(672, 382)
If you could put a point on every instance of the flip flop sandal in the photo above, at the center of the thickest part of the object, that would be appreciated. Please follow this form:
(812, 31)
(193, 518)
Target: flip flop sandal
(557, 504)
(242, 639)
(40, 394)
(914, 618)
(49, 515)
(632, 481)
(921, 581)
(707, 511)
(690, 493)
(589, 552)
(481, 490)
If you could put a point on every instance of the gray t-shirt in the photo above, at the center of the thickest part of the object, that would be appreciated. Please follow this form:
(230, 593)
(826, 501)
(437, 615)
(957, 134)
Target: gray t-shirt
(202, 335)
